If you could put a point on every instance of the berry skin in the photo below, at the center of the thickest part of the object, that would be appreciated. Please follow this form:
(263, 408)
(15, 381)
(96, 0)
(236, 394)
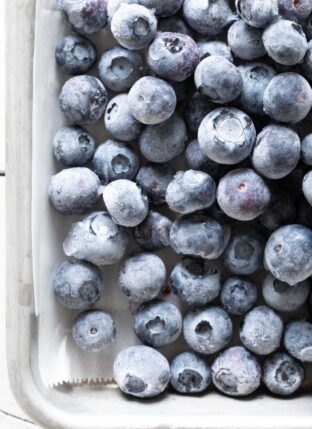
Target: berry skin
(174, 24)
(74, 190)
(257, 13)
(75, 54)
(281, 211)
(307, 187)
(154, 179)
(77, 285)
(236, 372)
(141, 371)
(73, 146)
(142, 277)
(97, 239)
(197, 160)
(282, 374)
(214, 48)
(298, 340)
(114, 5)
(94, 330)
(243, 195)
(245, 41)
(163, 8)
(238, 295)
(157, 323)
(293, 10)
(189, 373)
(153, 233)
(261, 331)
(197, 108)
(83, 99)
(306, 150)
(207, 330)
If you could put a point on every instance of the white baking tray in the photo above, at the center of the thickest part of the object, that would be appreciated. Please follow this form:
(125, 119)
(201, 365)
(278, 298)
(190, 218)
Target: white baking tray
(89, 406)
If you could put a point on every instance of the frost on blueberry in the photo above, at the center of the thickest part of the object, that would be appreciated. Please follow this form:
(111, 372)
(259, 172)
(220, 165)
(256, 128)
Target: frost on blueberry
(197, 108)
(298, 340)
(295, 10)
(153, 233)
(163, 8)
(114, 5)
(245, 41)
(75, 54)
(306, 149)
(214, 48)
(238, 295)
(257, 13)
(154, 180)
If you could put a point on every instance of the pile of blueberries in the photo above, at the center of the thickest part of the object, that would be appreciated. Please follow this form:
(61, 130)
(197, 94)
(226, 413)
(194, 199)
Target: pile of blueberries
(224, 93)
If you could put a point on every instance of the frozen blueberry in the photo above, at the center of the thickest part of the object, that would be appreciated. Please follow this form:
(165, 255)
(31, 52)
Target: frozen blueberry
(288, 254)
(120, 68)
(196, 281)
(173, 56)
(114, 5)
(256, 77)
(152, 100)
(304, 213)
(295, 10)
(125, 202)
(207, 330)
(157, 323)
(206, 17)
(281, 211)
(163, 142)
(75, 54)
(84, 16)
(244, 253)
(283, 297)
(218, 79)
(174, 24)
(197, 108)
(236, 372)
(243, 195)
(245, 41)
(307, 62)
(307, 187)
(288, 98)
(197, 160)
(306, 149)
(83, 99)
(285, 42)
(238, 295)
(276, 152)
(198, 235)
(282, 374)
(73, 146)
(142, 277)
(119, 121)
(153, 233)
(133, 26)
(189, 373)
(215, 48)
(154, 180)
(227, 135)
(77, 284)
(163, 8)
(298, 340)
(97, 239)
(141, 371)
(190, 191)
(74, 190)
(258, 13)
(261, 331)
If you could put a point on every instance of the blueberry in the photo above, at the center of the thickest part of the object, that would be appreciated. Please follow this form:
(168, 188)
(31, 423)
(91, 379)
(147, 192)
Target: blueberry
(243, 195)
(298, 340)
(84, 16)
(152, 100)
(283, 297)
(133, 26)
(288, 254)
(77, 284)
(281, 211)
(83, 99)
(154, 180)
(163, 8)
(115, 160)
(227, 135)
(141, 371)
(119, 121)
(142, 277)
(74, 190)
(73, 146)
(307, 187)
(153, 233)
(236, 372)
(307, 62)
(189, 373)
(276, 152)
(197, 108)
(238, 295)
(208, 18)
(258, 13)
(97, 239)
(244, 253)
(207, 330)
(75, 54)
(198, 235)
(94, 330)
(295, 10)
(157, 323)
(306, 150)
(114, 5)
(120, 68)
(197, 160)
(218, 79)
(256, 77)
(196, 281)
(163, 142)
(245, 41)
(285, 42)
(173, 56)
(215, 48)
(282, 374)
(125, 202)
(174, 24)
(261, 331)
